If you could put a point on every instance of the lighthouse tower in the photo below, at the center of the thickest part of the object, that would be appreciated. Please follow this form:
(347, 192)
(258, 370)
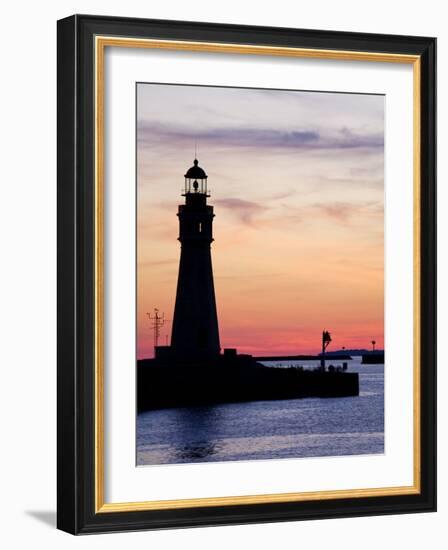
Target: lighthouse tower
(195, 333)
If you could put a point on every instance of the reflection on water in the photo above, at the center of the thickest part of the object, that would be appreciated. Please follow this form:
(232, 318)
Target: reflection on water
(196, 451)
(191, 424)
(268, 429)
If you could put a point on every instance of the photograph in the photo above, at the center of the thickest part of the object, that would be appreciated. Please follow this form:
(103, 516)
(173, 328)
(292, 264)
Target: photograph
(260, 274)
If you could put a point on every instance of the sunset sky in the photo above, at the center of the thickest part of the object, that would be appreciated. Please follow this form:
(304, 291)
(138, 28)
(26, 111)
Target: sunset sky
(297, 183)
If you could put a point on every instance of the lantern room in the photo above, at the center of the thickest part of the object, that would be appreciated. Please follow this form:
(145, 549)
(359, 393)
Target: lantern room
(196, 180)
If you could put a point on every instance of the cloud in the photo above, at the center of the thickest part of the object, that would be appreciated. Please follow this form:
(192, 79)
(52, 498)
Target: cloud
(347, 139)
(244, 210)
(344, 138)
(344, 211)
(282, 195)
(158, 263)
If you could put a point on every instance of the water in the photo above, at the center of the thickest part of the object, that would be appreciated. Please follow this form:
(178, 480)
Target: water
(269, 429)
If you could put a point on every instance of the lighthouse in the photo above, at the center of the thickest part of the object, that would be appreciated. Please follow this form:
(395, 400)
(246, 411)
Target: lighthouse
(195, 333)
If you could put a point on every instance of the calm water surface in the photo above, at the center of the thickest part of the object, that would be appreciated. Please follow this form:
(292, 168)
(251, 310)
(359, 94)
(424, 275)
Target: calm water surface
(269, 429)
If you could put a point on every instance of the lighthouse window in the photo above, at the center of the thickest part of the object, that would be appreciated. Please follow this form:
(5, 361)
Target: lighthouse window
(200, 227)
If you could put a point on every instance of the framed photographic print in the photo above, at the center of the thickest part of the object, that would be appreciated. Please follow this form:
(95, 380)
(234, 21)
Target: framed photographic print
(246, 274)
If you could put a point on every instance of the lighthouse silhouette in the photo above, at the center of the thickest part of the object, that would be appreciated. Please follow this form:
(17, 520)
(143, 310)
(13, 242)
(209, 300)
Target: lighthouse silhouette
(195, 333)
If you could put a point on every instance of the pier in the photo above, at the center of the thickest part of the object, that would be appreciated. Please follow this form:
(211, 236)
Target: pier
(163, 384)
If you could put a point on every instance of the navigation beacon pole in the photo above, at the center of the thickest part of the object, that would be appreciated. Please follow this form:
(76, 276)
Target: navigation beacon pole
(326, 339)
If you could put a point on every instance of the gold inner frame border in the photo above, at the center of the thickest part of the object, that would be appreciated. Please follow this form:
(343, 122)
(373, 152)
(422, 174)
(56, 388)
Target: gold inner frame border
(100, 44)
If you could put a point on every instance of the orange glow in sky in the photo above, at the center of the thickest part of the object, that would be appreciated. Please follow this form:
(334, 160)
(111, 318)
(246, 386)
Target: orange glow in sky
(296, 179)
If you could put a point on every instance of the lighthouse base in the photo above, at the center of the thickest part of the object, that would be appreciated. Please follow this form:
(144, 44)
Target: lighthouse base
(230, 378)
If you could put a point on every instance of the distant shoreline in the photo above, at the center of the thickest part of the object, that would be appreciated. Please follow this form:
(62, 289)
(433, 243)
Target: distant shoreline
(338, 355)
(302, 357)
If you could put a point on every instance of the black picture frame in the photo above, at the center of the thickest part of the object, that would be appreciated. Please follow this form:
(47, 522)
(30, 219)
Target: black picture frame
(76, 480)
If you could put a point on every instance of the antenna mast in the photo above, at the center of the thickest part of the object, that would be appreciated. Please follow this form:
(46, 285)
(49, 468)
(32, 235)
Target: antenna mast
(157, 320)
